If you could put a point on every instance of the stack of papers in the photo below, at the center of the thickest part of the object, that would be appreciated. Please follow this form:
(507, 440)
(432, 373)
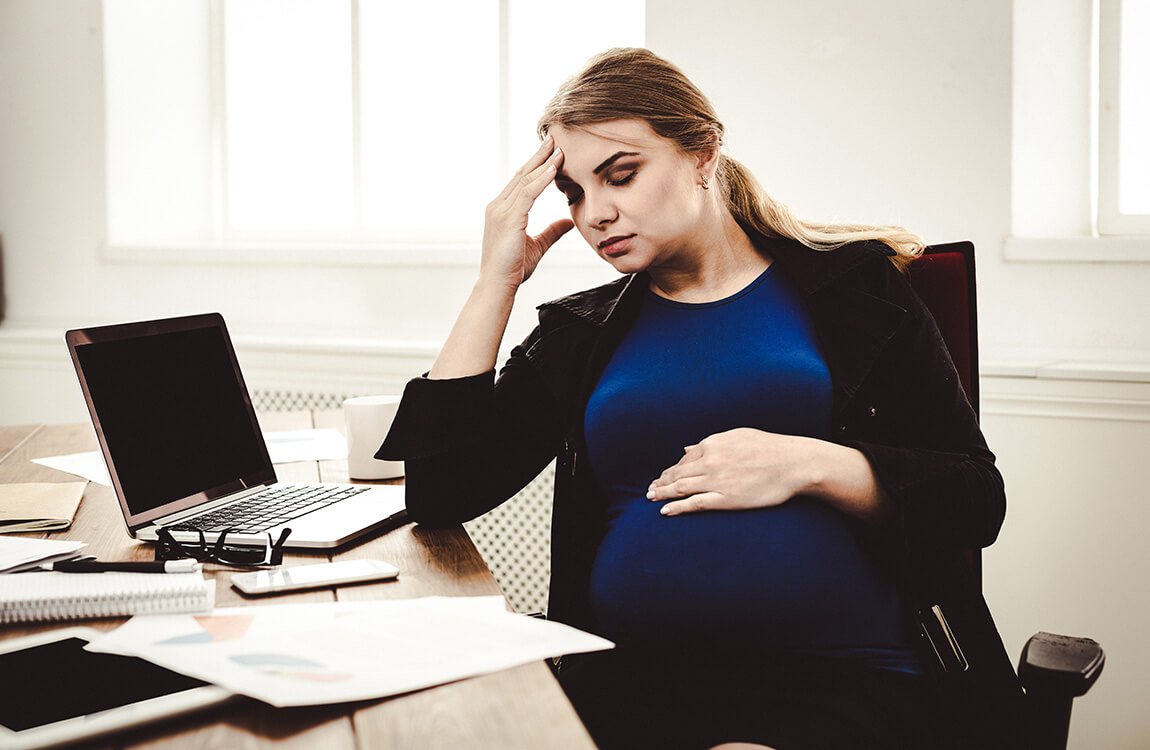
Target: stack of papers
(311, 654)
(17, 553)
(41, 506)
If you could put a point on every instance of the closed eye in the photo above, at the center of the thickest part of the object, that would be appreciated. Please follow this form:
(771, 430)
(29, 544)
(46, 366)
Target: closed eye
(573, 194)
(623, 180)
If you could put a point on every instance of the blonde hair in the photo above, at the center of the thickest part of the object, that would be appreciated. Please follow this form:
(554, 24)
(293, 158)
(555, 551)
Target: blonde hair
(635, 83)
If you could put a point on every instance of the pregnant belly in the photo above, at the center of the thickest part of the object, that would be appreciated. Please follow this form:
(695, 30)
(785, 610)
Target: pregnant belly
(793, 574)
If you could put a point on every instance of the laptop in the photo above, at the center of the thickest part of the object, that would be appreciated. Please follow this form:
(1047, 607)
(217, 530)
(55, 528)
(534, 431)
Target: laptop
(184, 450)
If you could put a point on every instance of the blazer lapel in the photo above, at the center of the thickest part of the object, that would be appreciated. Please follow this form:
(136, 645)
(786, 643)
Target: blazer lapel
(853, 325)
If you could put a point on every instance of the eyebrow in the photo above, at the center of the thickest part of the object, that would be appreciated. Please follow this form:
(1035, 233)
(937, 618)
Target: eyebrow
(612, 159)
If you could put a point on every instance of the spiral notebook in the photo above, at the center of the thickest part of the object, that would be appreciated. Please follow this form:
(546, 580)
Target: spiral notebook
(32, 597)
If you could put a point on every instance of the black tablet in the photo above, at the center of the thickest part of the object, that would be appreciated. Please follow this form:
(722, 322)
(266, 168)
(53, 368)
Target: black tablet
(54, 691)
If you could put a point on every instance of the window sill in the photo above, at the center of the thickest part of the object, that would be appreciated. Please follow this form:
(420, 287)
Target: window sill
(1104, 366)
(1113, 249)
(291, 254)
(567, 253)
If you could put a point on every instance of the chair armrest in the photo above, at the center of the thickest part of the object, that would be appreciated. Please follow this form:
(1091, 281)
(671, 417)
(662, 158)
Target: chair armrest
(1059, 665)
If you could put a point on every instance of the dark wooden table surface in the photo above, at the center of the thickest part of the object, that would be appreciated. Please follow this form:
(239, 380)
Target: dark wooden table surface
(522, 707)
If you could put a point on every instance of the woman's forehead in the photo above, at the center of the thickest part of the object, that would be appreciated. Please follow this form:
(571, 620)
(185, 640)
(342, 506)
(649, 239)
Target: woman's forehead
(635, 134)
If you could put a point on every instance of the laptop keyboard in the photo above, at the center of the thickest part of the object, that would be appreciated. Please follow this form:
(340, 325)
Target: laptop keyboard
(270, 508)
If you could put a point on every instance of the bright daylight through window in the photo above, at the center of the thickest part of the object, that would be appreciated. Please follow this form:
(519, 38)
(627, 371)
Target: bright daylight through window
(322, 121)
(1124, 121)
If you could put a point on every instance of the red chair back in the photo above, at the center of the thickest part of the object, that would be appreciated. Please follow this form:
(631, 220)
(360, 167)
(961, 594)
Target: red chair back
(944, 278)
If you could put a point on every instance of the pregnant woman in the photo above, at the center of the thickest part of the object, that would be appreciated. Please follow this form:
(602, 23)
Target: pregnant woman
(766, 465)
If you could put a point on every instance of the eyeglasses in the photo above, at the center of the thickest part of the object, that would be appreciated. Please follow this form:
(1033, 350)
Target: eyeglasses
(270, 554)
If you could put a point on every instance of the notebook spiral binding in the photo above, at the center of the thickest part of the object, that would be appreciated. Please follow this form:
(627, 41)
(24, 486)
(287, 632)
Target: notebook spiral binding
(38, 597)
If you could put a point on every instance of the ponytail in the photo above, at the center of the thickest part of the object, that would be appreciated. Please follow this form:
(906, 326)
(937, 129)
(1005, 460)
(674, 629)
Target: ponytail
(753, 208)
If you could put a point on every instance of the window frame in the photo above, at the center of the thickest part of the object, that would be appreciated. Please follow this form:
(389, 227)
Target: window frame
(1110, 220)
(217, 242)
(1056, 143)
(449, 244)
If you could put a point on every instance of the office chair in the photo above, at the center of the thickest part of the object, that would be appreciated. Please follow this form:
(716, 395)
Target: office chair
(1053, 669)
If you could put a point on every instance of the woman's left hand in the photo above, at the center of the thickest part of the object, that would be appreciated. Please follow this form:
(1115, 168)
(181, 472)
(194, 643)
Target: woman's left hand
(735, 470)
(748, 468)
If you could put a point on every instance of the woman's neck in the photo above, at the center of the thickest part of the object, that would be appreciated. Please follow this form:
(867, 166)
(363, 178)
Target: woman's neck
(723, 263)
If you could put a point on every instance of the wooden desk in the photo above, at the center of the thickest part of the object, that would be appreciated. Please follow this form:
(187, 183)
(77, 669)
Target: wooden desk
(516, 708)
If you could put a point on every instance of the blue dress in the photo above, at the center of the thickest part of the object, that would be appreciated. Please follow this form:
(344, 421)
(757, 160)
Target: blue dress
(793, 577)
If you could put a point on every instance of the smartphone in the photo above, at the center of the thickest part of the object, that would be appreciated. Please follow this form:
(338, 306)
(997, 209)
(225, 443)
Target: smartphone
(53, 691)
(313, 576)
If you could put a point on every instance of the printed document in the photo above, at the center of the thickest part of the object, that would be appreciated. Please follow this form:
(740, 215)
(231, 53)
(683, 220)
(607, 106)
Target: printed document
(310, 654)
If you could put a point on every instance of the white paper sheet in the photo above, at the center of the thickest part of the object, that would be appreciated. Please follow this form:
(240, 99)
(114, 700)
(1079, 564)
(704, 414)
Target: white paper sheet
(311, 654)
(283, 447)
(89, 465)
(21, 552)
(305, 445)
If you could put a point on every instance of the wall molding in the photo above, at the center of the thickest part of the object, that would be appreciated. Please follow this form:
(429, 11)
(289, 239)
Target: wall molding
(332, 366)
(1110, 249)
(1098, 390)
(29, 358)
(1105, 400)
(1064, 407)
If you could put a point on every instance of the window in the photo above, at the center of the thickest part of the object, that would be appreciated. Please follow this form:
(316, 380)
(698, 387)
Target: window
(1124, 117)
(1080, 143)
(322, 123)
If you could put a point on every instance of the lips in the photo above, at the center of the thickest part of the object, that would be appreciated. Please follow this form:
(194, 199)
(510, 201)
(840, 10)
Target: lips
(617, 245)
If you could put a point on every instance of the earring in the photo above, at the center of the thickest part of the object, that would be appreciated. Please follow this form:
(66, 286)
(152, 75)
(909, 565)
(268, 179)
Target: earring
(706, 185)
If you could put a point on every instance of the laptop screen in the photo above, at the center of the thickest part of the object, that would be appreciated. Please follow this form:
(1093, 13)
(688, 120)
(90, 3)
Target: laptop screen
(172, 409)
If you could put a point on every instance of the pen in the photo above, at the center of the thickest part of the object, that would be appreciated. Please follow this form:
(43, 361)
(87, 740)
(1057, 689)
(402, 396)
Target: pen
(95, 566)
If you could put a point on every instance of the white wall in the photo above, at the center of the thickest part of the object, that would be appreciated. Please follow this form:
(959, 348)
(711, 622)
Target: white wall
(884, 110)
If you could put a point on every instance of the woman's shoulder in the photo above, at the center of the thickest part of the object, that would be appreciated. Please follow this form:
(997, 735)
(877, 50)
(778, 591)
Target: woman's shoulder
(812, 270)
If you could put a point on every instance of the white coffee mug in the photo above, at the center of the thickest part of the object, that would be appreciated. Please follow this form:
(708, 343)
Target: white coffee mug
(368, 420)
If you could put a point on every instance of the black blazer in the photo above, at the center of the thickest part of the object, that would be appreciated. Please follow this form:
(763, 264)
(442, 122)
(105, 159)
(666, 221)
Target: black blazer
(471, 443)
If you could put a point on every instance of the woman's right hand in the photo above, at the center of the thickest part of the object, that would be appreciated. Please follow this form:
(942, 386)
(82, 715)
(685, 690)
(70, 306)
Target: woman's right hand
(510, 255)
